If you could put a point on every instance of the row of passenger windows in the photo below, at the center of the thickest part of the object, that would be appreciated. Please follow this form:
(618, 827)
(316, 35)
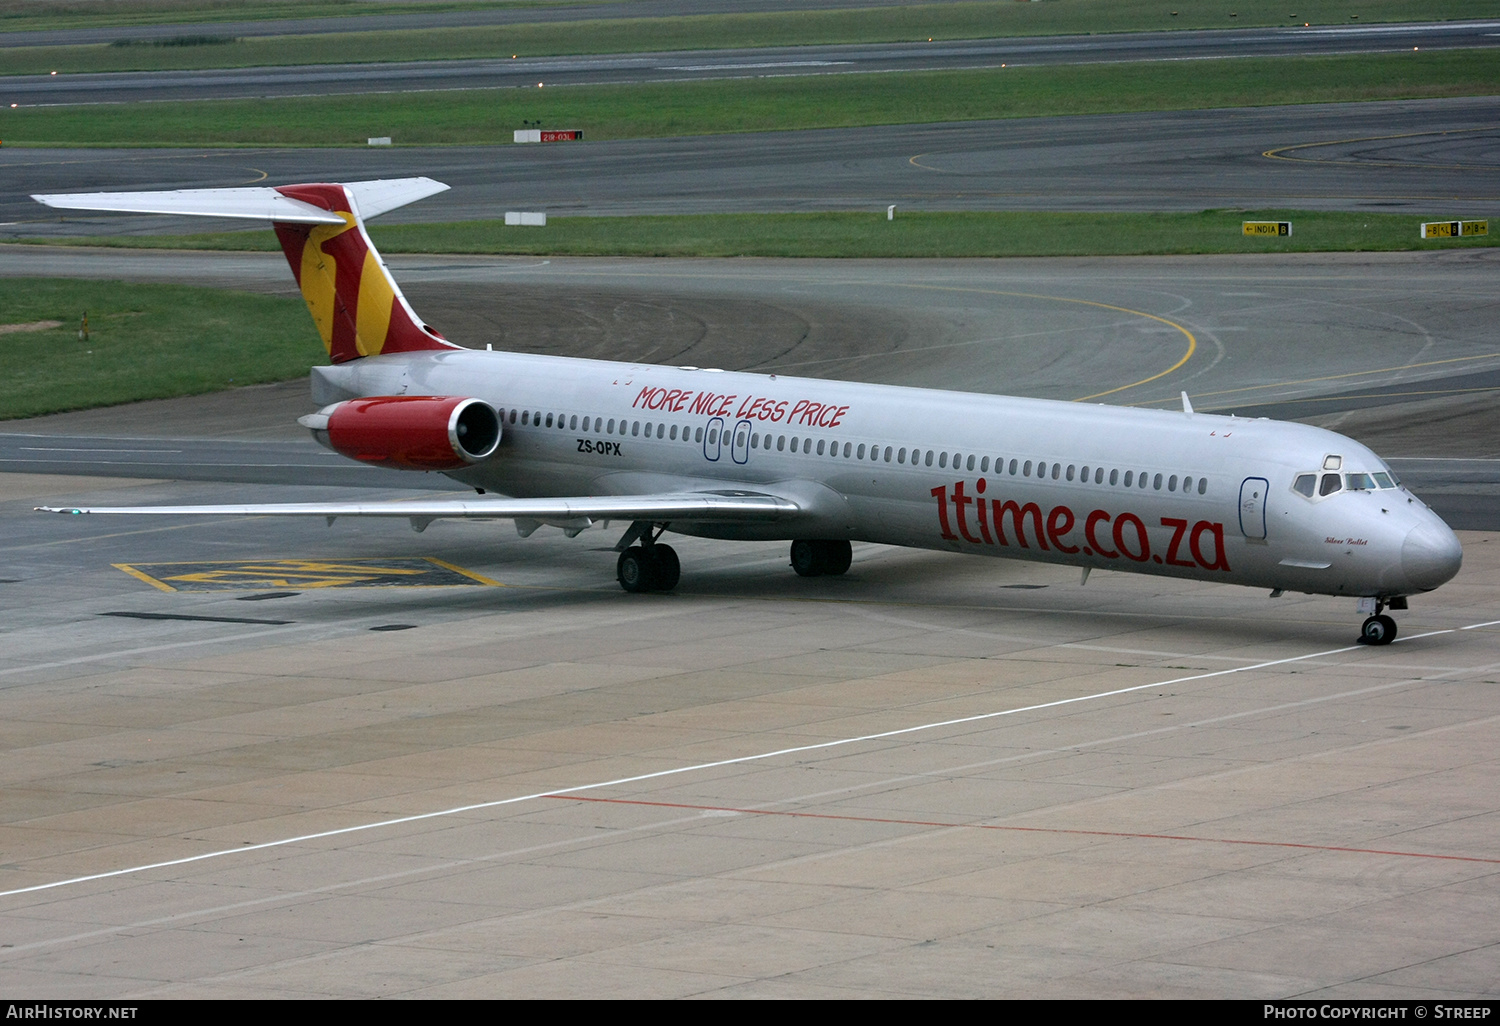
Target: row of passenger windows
(873, 453)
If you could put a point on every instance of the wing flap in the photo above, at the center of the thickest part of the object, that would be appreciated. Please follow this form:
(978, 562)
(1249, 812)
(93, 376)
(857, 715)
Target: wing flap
(727, 506)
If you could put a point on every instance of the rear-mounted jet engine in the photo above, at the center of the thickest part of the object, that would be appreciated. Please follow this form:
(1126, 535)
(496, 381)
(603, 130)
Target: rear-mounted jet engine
(409, 432)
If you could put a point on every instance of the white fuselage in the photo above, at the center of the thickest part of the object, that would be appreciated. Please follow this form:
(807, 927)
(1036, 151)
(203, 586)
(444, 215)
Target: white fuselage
(1163, 492)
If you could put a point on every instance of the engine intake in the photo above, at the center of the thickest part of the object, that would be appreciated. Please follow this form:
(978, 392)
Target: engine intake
(411, 432)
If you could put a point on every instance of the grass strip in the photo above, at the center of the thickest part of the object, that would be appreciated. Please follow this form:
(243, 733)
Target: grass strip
(978, 19)
(489, 116)
(145, 342)
(46, 15)
(911, 234)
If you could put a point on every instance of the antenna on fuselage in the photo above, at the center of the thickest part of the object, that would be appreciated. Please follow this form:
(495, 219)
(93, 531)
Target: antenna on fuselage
(1187, 407)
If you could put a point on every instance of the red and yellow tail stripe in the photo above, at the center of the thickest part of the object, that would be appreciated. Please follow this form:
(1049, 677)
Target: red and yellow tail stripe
(355, 303)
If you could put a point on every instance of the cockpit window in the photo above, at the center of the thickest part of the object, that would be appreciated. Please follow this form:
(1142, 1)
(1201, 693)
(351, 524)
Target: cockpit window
(1331, 483)
(1359, 482)
(1306, 484)
(1385, 480)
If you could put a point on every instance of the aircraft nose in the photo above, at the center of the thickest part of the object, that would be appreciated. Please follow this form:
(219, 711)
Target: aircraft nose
(1430, 556)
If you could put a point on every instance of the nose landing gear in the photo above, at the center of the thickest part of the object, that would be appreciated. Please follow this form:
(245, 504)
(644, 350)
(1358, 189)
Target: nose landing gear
(1379, 629)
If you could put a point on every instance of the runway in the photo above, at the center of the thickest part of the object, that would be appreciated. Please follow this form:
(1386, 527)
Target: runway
(761, 62)
(1431, 158)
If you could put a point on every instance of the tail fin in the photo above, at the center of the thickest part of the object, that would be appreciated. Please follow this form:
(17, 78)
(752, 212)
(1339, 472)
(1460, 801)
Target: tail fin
(357, 306)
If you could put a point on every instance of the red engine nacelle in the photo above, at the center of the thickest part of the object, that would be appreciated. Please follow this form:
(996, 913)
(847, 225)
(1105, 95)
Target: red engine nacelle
(412, 432)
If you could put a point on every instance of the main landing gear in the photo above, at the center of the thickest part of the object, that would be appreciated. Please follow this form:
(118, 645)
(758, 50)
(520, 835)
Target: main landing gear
(652, 566)
(647, 566)
(1379, 629)
(816, 558)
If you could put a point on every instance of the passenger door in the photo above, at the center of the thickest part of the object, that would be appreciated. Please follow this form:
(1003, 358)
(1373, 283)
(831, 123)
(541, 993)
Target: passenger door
(1253, 507)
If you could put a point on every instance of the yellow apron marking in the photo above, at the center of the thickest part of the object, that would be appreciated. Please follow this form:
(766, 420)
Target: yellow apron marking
(232, 575)
(1192, 346)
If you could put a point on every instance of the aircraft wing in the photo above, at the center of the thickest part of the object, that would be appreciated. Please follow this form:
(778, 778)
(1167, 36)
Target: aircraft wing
(725, 506)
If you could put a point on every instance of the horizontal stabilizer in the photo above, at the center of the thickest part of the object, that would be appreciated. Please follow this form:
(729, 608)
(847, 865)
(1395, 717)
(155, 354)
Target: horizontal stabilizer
(258, 204)
(727, 507)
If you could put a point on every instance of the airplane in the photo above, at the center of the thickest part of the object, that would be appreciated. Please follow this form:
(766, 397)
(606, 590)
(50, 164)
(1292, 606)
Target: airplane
(702, 452)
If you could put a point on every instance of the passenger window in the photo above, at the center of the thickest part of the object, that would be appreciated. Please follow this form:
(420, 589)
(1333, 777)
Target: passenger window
(1172, 483)
(1203, 486)
(1114, 477)
(1331, 483)
(573, 422)
(1140, 482)
(848, 448)
(901, 455)
(984, 465)
(1157, 485)
(1012, 468)
(674, 432)
(1305, 484)
(942, 459)
(1025, 468)
(888, 454)
(525, 416)
(1070, 471)
(929, 457)
(698, 436)
(820, 447)
(971, 462)
(1129, 477)
(1056, 470)
(1098, 475)
(635, 429)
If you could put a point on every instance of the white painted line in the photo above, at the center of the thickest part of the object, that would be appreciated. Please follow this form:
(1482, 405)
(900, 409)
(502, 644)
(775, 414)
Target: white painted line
(103, 656)
(680, 770)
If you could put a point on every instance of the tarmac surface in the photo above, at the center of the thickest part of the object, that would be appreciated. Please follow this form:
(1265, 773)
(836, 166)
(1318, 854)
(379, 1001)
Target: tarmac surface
(760, 62)
(1429, 158)
(935, 776)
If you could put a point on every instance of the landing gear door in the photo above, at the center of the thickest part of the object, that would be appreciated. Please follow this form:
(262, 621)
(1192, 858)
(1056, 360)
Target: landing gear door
(741, 450)
(713, 439)
(1253, 507)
